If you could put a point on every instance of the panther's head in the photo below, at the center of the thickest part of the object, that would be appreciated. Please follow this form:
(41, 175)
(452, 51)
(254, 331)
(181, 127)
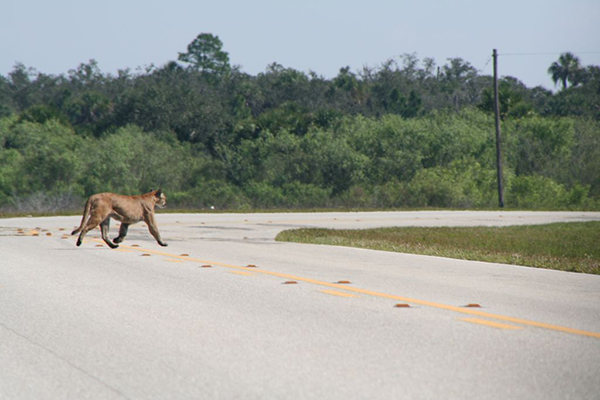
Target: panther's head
(161, 199)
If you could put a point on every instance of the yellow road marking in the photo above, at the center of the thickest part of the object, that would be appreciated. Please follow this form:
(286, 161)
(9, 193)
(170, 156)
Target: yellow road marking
(336, 293)
(173, 260)
(241, 272)
(462, 310)
(490, 323)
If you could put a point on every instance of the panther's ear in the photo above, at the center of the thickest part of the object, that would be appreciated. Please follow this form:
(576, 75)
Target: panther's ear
(158, 193)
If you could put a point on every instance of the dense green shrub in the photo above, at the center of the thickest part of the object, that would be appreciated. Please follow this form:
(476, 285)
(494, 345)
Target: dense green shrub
(263, 195)
(130, 161)
(299, 194)
(213, 195)
(40, 157)
(539, 192)
(437, 160)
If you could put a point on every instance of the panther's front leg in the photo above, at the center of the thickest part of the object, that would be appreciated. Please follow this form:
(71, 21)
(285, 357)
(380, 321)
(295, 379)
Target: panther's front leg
(122, 233)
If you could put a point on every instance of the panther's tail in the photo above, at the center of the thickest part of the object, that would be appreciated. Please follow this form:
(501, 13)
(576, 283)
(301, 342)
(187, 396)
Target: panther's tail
(86, 214)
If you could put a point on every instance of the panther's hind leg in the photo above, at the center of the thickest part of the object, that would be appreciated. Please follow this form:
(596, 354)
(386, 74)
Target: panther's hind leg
(93, 222)
(104, 226)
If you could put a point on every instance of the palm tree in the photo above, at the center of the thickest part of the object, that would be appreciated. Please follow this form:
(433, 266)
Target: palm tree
(565, 69)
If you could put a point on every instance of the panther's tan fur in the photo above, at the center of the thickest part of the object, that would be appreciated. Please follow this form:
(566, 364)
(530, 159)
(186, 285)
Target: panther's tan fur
(101, 207)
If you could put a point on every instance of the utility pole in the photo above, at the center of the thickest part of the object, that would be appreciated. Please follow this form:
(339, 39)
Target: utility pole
(497, 115)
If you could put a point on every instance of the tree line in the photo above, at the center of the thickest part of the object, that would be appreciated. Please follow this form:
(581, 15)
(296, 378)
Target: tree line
(406, 133)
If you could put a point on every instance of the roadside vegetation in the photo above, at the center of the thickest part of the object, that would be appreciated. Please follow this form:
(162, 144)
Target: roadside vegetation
(562, 246)
(404, 134)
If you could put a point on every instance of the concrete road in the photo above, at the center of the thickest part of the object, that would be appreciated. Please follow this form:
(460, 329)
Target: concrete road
(194, 321)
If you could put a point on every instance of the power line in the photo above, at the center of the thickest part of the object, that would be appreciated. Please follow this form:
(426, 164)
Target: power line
(548, 54)
(486, 64)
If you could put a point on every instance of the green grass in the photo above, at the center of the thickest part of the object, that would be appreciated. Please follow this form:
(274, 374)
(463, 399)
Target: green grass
(573, 246)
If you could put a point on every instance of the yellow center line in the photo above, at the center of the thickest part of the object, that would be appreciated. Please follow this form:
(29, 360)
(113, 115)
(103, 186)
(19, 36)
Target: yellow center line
(461, 310)
(336, 293)
(490, 323)
(241, 272)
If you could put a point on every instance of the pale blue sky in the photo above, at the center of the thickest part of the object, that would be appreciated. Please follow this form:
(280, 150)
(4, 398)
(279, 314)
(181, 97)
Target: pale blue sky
(319, 35)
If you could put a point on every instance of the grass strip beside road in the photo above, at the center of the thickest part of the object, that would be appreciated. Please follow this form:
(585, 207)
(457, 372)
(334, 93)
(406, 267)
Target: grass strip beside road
(573, 246)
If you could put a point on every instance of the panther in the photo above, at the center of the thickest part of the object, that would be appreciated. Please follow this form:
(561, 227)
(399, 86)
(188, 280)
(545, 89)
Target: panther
(101, 207)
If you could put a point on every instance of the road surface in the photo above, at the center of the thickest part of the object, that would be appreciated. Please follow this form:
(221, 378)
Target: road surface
(225, 312)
